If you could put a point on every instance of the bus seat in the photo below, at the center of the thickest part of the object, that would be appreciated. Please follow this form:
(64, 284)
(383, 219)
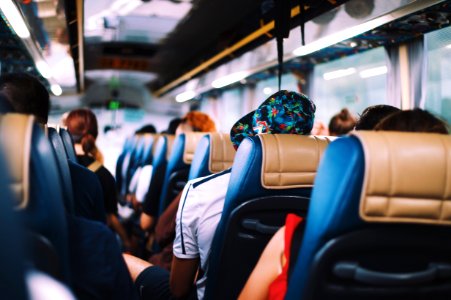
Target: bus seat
(178, 167)
(272, 175)
(214, 153)
(63, 168)
(163, 151)
(35, 182)
(123, 162)
(378, 225)
(12, 262)
(143, 157)
(68, 144)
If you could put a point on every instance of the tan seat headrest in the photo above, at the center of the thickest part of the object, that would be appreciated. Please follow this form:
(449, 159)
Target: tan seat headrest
(291, 161)
(15, 134)
(222, 152)
(191, 141)
(407, 177)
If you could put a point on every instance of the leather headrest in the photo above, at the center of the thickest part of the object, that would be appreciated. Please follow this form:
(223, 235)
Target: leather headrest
(222, 152)
(407, 177)
(291, 161)
(191, 141)
(15, 134)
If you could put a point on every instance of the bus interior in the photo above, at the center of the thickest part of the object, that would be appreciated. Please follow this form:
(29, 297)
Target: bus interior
(140, 62)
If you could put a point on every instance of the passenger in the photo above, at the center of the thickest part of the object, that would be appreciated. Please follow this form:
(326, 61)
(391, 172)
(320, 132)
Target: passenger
(82, 124)
(149, 128)
(165, 226)
(341, 123)
(203, 201)
(416, 120)
(372, 115)
(172, 127)
(269, 278)
(97, 268)
(319, 128)
(19, 88)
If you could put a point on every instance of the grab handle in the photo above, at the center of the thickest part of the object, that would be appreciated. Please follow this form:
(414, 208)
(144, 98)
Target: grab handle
(352, 270)
(256, 225)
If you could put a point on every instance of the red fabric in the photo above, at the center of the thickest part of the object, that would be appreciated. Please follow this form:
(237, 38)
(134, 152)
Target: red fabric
(278, 288)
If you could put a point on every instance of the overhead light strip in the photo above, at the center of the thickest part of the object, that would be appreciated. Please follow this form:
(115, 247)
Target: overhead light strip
(401, 12)
(14, 18)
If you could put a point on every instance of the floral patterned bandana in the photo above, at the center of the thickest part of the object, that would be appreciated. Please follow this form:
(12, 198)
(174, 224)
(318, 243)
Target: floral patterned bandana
(283, 112)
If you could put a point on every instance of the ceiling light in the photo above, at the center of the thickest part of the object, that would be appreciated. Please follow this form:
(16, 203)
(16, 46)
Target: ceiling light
(56, 89)
(267, 91)
(229, 79)
(353, 44)
(131, 6)
(185, 96)
(43, 68)
(449, 46)
(339, 73)
(373, 72)
(14, 18)
(340, 36)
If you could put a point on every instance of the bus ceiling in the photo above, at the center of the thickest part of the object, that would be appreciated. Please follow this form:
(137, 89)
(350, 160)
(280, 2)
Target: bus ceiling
(173, 46)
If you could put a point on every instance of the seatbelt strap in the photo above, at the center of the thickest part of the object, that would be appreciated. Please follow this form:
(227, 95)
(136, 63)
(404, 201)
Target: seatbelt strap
(94, 166)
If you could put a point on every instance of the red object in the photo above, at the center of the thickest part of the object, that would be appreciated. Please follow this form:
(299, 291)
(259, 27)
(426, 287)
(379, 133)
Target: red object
(278, 288)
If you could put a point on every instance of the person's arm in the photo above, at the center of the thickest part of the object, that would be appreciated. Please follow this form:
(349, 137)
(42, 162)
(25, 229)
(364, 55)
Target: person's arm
(183, 275)
(114, 223)
(269, 266)
(185, 261)
(146, 221)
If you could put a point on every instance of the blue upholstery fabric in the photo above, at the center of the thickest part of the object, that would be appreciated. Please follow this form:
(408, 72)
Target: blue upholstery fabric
(45, 213)
(199, 165)
(175, 165)
(160, 161)
(333, 207)
(68, 144)
(244, 186)
(122, 164)
(11, 253)
(63, 168)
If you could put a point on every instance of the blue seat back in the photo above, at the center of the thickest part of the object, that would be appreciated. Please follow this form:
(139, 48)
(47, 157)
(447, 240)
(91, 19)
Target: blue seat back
(405, 180)
(12, 276)
(162, 152)
(36, 182)
(63, 168)
(68, 143)
(214, 153)
(272, 175)
(177, 170)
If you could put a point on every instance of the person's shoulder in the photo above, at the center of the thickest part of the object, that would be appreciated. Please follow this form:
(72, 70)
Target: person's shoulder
(210, 180)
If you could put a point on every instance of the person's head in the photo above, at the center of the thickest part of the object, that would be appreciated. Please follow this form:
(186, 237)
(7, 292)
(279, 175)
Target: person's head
(373, 115)
(283, 112)
(82, 124)
(26, 94)
(416, 120)
(149, 128)
(341, 123)
(196, 121)
(172, 127)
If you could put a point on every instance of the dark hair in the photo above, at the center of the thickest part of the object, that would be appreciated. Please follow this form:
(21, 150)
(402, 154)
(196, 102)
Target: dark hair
(416, 120)
(5, 104)
(149, 128)
(373, 115)
(172, 127)
(82, 124)
(341, 123)
(26, 94)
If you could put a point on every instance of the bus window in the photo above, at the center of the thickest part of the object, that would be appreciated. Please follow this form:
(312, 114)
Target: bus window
(355, 82)
(438, 97)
